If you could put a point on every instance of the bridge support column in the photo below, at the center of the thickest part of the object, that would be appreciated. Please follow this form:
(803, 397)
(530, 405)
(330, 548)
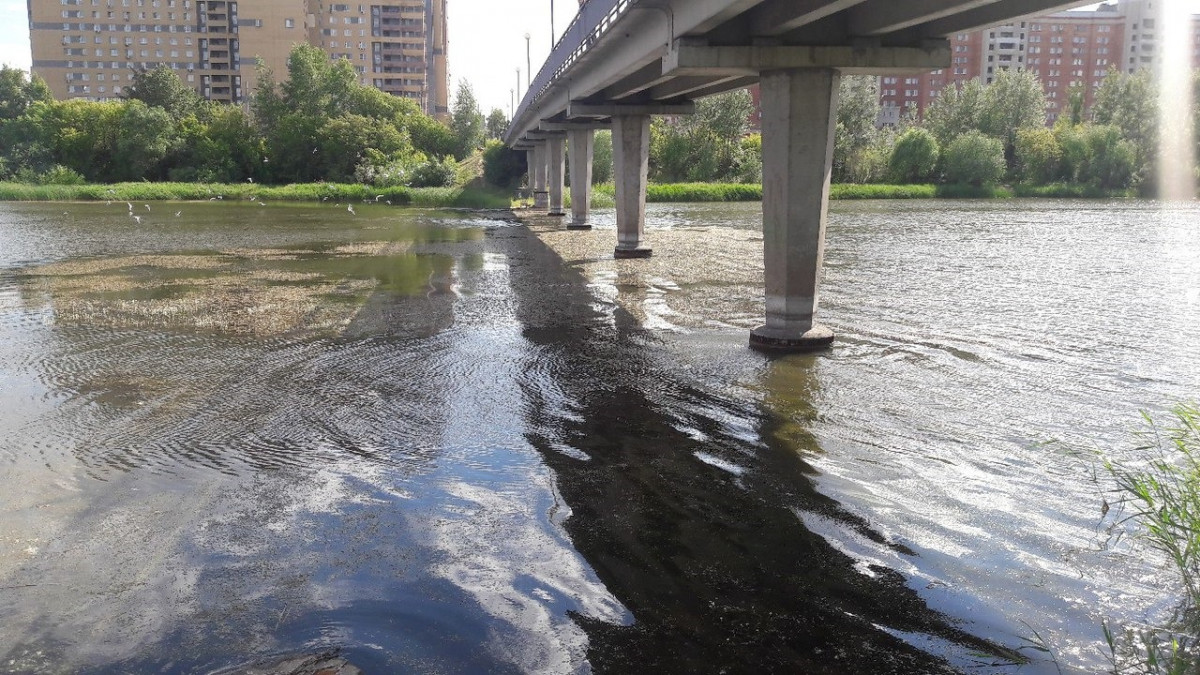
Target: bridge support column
(580, 145)
(554, 152)
(799, 112)
(530, 162)
(541, 198)
(631, 161)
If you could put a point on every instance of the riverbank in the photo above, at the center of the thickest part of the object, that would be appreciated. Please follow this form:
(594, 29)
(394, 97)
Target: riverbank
(461, 197)
(732, 192)
(492, 198)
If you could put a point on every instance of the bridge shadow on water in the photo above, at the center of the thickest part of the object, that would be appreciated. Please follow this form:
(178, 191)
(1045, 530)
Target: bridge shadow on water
(714, 562)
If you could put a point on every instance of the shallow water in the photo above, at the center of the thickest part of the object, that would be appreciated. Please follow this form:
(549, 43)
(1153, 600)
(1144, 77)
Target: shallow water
(444, 442)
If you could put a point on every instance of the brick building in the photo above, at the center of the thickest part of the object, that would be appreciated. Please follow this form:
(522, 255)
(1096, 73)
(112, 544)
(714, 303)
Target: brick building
(1066, 50)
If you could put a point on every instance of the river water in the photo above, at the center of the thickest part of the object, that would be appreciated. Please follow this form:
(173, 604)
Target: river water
(440, 441)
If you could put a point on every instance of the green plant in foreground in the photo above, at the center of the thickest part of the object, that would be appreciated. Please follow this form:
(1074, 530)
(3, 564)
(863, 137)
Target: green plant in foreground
(1161, 496)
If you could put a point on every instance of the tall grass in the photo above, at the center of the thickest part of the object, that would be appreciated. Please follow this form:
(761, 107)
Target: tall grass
(304, 192)
(1158, 492)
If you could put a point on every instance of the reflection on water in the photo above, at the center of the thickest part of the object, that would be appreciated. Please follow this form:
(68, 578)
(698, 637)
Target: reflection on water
(445, 443)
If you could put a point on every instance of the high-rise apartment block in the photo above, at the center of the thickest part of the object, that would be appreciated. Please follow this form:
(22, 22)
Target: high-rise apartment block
(91, 48)
(1073, 49)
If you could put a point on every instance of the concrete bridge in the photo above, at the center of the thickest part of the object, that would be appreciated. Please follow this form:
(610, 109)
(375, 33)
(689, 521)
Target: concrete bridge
(622, 61)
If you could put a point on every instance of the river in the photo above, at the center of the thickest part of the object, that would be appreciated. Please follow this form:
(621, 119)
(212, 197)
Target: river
(441, 441)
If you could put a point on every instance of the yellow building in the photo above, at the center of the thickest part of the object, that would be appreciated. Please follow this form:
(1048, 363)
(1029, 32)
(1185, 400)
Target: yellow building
(91, 48)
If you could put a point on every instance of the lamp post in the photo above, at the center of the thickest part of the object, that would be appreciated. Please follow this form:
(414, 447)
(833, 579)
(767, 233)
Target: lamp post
(518, 79)
(528, 64)
(512, 103)
(551, 25)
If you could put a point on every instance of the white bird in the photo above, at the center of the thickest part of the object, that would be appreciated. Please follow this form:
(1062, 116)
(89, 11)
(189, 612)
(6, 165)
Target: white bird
(249, 179)
(350, 208)
(130, 206)
(212, 199)
(378, 197)
(108, 203)
(147, 208)
(261, 203)
(138, 219)
(177, 213)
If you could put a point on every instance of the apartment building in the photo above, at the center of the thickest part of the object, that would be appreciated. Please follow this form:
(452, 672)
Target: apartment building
(1067, 50)
(91, 48)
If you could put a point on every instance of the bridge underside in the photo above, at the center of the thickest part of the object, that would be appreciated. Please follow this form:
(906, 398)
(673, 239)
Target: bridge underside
(623, 61)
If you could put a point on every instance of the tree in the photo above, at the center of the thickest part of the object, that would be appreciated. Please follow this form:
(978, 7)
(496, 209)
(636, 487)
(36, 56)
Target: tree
(1111, 160)
(857, 113)
(1130, 102)
(975, 159)
(602, 158)
(955, 111)
(466, 121)
(161, 87)
(1038, 156)
(144, 136)
(497, 124)
(17, 92)
(705, 146)
(914, 157)
(1012, 102)
(502, 166)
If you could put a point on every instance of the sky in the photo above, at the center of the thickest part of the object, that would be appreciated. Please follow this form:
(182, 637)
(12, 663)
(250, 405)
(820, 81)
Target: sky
(487, 41)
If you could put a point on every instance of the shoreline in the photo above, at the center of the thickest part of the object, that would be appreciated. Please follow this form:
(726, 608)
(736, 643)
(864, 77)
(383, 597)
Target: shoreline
(493, 198)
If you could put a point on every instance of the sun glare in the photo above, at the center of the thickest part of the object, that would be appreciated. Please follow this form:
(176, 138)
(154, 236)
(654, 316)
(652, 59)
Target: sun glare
(1177, 161)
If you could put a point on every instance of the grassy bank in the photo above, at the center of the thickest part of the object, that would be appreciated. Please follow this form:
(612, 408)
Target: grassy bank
(724, 192)
(306, 192)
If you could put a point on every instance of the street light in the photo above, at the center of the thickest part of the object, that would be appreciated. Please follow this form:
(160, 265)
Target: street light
(551, 25)
(518, 79)
(512, 103)
(528, 64)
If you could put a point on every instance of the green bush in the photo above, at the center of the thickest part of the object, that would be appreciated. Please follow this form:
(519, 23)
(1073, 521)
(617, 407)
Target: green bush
(434, 173)
(1039, 156)
(975, 159)
(914, 157)
(503, 167)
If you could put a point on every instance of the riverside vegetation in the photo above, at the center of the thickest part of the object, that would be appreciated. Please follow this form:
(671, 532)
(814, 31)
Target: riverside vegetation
(1158, 497)
(320, 126)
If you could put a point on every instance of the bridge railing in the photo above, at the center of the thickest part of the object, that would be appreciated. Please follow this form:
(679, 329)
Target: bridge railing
(594, 19)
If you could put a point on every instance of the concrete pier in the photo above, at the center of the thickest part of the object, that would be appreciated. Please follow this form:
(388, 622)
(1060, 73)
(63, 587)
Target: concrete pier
(580, 148)
(556, 169)
(541, 197)
(631, 161)
(799, 113)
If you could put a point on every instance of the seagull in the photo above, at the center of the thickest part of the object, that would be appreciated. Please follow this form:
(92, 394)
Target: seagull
(350, 208)
(249, 179)
(325, 197)
(212, 199)
(108, 203)
(130, 206)
(261, 203)
(147, 208)
(138, 219)
(378, 197)
(177, 213)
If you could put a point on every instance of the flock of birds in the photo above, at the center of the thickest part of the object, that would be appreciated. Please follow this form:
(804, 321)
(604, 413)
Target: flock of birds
(138, 218)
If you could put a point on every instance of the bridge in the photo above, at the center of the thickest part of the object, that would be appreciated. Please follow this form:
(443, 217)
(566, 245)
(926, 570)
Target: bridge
(622, 61)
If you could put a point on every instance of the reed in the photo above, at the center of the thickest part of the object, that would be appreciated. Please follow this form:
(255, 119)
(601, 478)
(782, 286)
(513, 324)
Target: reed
(1158, 494)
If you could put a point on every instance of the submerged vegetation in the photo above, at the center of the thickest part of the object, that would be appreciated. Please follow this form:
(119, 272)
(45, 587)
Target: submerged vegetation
(1158, 497)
